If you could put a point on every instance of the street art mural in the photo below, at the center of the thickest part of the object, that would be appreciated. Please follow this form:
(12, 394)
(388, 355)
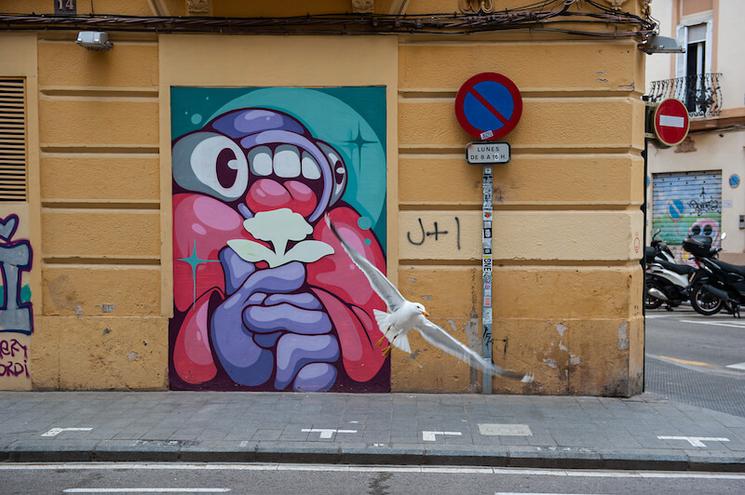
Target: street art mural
(687, 203)
(16, 311)
(264, 296)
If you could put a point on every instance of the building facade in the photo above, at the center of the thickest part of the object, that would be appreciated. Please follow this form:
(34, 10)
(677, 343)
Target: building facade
(695, 186)
(144, 185)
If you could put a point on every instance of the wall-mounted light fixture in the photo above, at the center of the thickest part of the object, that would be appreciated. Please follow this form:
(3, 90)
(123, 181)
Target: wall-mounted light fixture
(661, 44)
(94, 40)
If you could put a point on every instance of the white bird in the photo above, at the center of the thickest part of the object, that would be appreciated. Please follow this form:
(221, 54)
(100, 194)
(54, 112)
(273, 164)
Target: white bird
(404, 316)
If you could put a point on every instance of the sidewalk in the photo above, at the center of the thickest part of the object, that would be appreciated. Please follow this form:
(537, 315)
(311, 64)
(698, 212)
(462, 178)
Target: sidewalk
(560, 432)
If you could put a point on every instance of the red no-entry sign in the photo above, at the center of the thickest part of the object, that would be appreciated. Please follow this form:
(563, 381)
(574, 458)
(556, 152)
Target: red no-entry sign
(671, 122)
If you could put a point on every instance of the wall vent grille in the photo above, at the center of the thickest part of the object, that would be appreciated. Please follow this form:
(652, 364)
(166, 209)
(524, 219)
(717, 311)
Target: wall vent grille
(12, 140)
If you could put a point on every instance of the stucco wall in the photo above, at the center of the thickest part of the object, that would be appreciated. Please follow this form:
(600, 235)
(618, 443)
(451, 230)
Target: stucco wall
(19, 224)
(567, 223)
(661, 65)
(566, 214)
(731, 52)
(715, 149)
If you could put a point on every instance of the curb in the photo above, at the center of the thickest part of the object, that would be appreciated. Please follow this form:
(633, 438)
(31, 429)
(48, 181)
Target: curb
(576, 459)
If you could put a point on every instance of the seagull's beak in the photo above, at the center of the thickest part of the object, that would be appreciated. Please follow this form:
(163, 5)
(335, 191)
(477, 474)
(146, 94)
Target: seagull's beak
(425, 313)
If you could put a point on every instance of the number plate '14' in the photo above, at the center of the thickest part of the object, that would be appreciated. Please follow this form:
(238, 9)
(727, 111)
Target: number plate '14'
(65, 7)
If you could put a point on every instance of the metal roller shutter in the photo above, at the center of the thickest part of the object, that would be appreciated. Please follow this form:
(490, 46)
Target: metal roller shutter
(685, 203)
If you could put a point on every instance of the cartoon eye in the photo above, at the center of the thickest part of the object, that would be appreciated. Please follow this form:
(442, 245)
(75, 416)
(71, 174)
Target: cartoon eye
(212, 164)
(338, 171)
(707, 230)
(696, 230)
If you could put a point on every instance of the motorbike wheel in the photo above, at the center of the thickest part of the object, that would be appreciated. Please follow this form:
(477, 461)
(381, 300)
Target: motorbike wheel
(704, 302)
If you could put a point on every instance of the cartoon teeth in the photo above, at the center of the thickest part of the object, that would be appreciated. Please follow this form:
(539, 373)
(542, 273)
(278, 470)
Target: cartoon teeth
(310, 168)
(286, 162)
(260, 160)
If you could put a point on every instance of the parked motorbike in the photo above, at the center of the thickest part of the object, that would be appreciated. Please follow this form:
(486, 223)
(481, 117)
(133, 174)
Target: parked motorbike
(666, 282)
(715, 280)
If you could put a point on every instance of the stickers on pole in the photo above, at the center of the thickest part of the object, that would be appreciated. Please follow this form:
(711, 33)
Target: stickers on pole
(671, 122)
(488, 106)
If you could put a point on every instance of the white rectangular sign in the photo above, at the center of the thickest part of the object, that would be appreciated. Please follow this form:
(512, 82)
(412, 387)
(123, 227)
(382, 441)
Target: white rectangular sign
(487, 153)
(672, 121)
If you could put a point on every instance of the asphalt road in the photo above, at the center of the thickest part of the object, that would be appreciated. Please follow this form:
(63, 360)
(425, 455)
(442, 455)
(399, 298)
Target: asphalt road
(694, 359)
(288, 479)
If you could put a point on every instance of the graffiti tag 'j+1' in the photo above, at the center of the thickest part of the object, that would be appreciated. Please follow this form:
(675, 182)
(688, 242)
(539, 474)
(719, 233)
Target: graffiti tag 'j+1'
(421, 236)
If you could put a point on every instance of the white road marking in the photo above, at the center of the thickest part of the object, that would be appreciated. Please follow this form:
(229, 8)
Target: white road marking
(146, 490)
(672, 121)
(715, 323)
(573, 473)
(56, 431)
(651, 317)
(695, 441)
(505, 430)
(431, 436)
(737, 366)
(536, 493)
(326, 432)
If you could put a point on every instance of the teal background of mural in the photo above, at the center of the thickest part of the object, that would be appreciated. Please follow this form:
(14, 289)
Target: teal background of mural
(351, 119)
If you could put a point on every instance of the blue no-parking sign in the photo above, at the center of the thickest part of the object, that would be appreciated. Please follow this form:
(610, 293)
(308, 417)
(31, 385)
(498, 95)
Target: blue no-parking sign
(488, 106)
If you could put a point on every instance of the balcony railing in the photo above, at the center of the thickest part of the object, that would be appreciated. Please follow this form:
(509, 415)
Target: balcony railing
(701, 93)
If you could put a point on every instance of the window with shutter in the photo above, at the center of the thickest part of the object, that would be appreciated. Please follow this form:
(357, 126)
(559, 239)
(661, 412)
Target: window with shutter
(12, 139)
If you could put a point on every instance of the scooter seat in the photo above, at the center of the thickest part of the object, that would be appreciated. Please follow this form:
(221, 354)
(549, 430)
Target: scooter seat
(731, 268)
(673, 267)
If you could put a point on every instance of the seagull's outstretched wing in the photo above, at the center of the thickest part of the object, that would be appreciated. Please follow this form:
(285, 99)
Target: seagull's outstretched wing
(381, 285)
(446, 342)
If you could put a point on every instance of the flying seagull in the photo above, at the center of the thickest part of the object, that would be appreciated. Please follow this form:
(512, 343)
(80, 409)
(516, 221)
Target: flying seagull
(404, 316)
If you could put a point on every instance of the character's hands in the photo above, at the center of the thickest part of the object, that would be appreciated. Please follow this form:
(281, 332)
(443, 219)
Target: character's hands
(269, 325)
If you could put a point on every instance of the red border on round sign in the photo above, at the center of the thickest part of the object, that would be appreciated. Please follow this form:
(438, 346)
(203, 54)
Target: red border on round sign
(468, 85)
(655, 120)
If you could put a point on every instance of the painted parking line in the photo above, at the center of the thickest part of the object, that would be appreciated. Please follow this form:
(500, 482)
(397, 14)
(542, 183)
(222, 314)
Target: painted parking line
(504, 430)
(715, 323)
(326, 432)
(179, 466)
(695, 441)
(680, 361)
(541, 493)
(431, 436)
(737, 366)
(146, 490)
(56, 431)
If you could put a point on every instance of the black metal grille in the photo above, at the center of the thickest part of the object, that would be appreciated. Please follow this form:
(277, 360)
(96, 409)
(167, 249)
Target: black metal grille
(701, 93)
(12, 140)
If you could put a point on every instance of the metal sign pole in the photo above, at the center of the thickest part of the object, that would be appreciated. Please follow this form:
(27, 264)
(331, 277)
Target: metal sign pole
(486, 271)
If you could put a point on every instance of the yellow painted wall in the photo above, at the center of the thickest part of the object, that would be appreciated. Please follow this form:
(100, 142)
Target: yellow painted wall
(18, 60)
(567, 283)
(102, 325)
